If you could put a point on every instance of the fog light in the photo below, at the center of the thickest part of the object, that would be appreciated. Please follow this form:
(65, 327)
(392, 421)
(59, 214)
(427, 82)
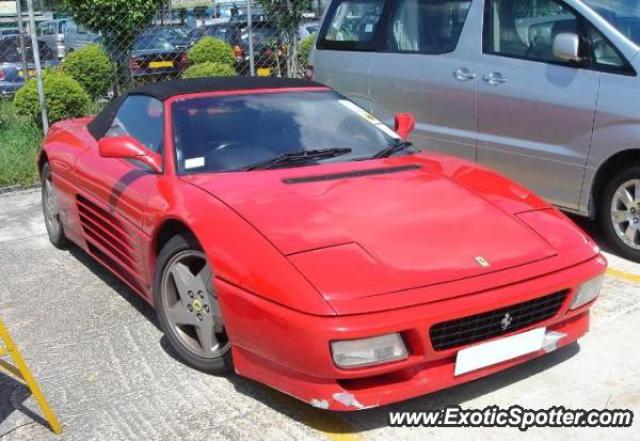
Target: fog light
(586, 292)
(368, 351)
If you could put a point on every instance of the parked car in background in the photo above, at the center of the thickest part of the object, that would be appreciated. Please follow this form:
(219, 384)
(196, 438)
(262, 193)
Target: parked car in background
(267, 45)
(77, 36)
(219, 31)
(545, 91)
(7, 32)
(52, 32)
(12, 69)
(158, 54)
(308, 28)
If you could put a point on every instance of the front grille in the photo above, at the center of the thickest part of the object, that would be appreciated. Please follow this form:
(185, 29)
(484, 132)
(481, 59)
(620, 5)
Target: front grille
(479, 327)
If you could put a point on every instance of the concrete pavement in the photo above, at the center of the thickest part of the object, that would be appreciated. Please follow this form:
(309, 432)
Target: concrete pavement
(107, 371)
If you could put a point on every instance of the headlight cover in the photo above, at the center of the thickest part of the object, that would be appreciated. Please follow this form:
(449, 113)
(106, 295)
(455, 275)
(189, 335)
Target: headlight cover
(349, 354)
(587, 292)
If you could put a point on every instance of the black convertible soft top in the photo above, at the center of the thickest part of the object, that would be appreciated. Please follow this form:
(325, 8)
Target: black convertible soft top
(167, 89)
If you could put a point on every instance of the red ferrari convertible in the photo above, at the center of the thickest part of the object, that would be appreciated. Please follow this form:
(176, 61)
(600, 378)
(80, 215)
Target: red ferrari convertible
(283, 232)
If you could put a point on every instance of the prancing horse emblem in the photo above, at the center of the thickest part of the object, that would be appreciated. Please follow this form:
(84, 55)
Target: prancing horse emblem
(482, 262)
(506, 321)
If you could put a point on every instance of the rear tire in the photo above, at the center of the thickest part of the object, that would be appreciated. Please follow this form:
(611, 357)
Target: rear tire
(188, 309)
(619, 212)
(50, 210)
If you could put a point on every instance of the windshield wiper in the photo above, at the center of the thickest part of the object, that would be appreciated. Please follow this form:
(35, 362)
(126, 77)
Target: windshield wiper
(395, 148)
(299, 156)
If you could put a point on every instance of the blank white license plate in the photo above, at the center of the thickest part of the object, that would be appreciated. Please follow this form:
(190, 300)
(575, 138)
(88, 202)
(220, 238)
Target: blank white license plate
(493, 352)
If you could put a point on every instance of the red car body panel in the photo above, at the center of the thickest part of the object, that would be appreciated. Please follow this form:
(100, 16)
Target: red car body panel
(304, 256)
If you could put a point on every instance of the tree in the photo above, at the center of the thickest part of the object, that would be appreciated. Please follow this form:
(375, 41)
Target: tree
(286, 15)
(118, 22)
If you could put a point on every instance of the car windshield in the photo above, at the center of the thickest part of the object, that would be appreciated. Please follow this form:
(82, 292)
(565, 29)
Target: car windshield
(233, 133)
(624, 15)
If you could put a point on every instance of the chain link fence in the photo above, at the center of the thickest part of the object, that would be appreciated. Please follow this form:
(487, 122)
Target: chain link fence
(110, 47)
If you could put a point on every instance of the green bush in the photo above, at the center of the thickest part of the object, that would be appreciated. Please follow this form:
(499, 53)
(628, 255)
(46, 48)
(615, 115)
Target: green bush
(305, 50)
(65, 98)
(209, 70)
(211, 50)
(92, 68)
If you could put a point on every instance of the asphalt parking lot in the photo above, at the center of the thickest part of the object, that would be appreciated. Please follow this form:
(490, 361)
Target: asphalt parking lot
(108, 373)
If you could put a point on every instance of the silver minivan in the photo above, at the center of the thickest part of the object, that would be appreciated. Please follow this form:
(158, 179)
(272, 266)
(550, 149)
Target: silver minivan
(545, 91)
(52, 32)
(76, 36)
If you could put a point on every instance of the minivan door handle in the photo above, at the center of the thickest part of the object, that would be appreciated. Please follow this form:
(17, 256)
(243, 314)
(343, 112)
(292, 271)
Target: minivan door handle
(464, 74)
(494, 78)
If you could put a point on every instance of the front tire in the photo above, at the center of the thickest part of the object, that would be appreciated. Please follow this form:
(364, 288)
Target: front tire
(50, 210)
(619, 213)
(188, 309)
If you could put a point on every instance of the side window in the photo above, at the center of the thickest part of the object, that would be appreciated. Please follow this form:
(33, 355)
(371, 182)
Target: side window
(427, 26)
(604, 55)
(141, 118)
(354, 21)
(526, 28)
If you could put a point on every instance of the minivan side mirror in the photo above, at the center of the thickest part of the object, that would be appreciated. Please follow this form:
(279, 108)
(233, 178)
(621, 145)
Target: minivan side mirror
(405, 124)
(566, 46)
(126, 147)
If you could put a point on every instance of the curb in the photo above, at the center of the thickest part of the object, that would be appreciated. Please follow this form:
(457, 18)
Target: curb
(17, 188)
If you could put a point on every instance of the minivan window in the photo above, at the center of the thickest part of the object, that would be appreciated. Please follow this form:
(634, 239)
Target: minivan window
(604, 54)
(354, 21)
(526, 28)
(427, 26)
(621, 14)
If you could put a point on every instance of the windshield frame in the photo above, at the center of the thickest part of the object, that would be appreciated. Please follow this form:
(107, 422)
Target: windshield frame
(170, 119)
(623, 44)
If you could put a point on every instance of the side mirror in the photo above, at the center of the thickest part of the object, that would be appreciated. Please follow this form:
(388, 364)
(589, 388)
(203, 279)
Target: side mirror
(125, 147)
(566, 46)
(405, 124)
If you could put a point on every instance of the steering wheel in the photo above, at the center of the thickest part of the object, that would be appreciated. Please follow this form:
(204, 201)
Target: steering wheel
(231, 155)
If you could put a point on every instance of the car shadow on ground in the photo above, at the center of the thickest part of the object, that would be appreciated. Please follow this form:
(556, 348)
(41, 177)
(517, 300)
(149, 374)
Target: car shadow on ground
(14, 394)
(114, 283)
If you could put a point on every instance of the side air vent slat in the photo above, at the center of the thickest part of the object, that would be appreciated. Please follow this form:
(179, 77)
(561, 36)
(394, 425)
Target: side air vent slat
(100, 229)
(351, 174)
(102, 217)
(112, 252)
(115, 266)
(107, 240)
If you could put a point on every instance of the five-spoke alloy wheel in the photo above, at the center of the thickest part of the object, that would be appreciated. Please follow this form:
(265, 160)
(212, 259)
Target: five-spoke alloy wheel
(188, 307)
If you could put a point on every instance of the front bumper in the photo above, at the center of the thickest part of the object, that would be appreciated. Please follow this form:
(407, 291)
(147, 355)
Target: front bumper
(289, 350)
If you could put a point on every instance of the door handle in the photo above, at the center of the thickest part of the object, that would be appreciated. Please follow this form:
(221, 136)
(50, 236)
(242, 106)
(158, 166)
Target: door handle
(464, 74)
(494, 78)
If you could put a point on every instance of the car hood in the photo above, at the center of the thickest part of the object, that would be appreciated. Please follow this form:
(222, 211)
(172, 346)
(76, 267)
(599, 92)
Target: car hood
(366, 230)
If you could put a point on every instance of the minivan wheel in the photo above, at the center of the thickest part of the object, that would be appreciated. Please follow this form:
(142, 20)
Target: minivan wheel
(619, 213)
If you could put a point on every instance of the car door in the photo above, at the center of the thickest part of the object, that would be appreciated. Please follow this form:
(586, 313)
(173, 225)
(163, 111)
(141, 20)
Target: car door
(115, 192)
(535, 111)
(350, 32)
(428, 67)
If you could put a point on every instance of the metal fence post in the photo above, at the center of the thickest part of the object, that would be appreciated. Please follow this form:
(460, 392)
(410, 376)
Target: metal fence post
(36, 61)
(23, 53)
(252, 67)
